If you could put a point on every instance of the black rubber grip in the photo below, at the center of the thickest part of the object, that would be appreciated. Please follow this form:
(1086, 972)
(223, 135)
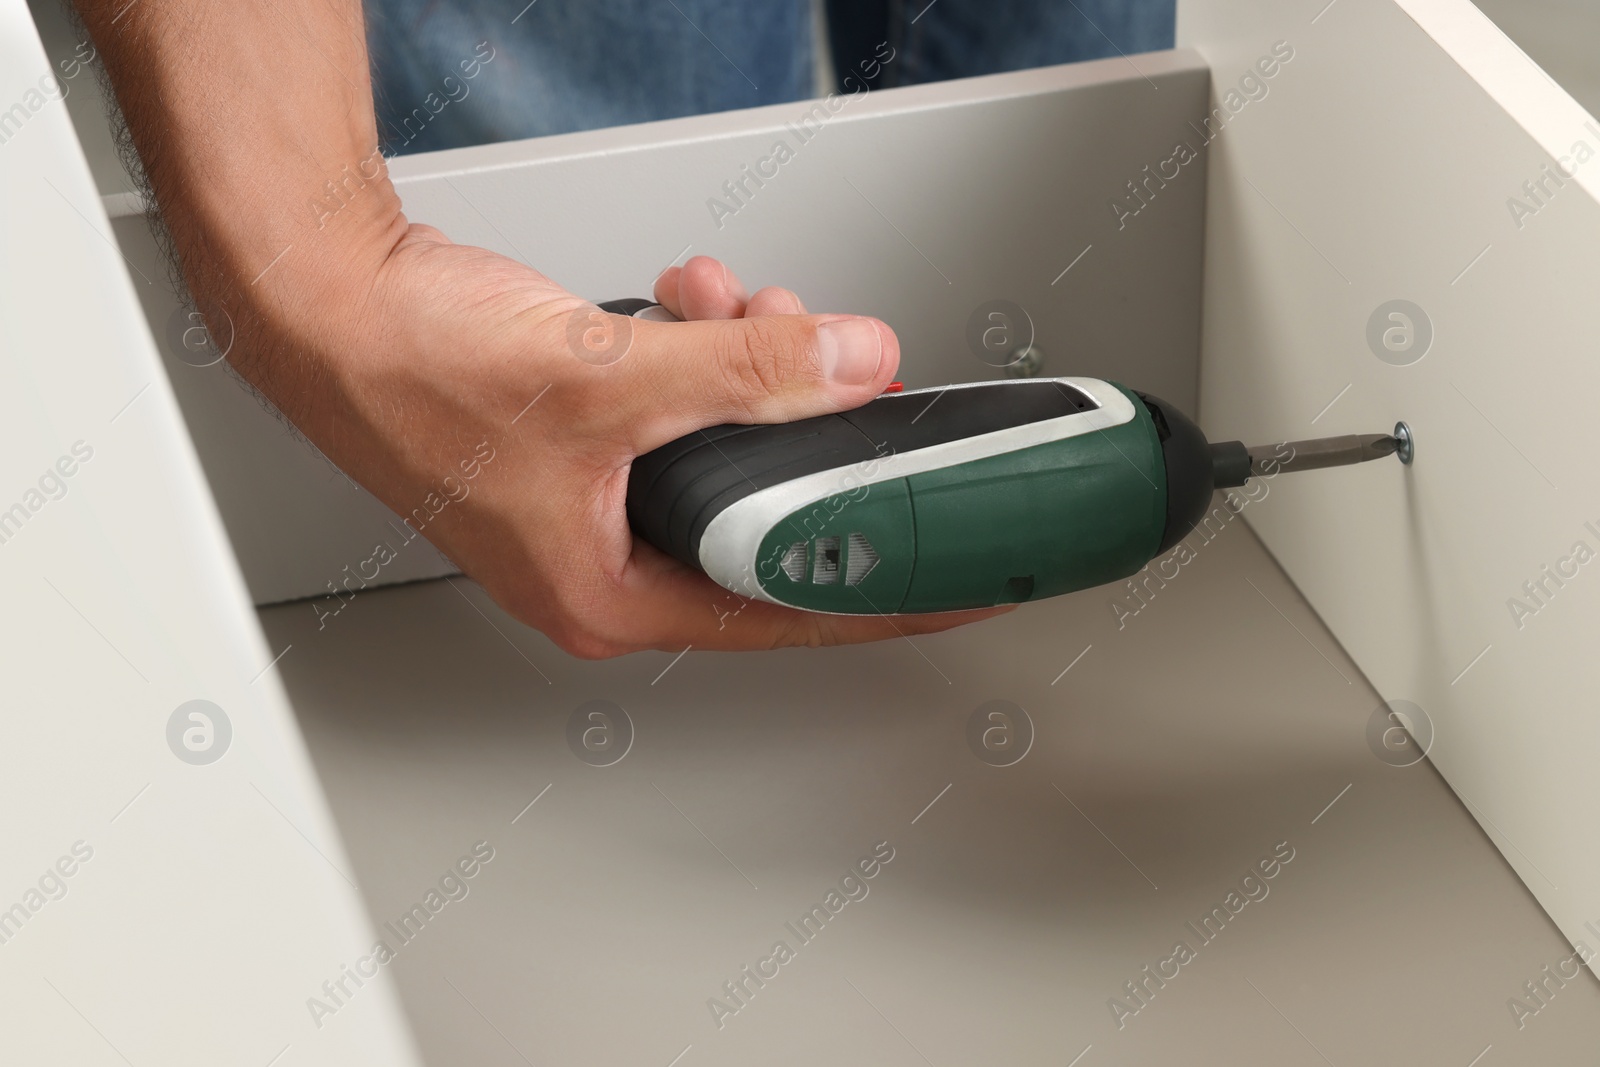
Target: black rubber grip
(1230, 464)
(675, 491)
(1190, 465)
(629, 306)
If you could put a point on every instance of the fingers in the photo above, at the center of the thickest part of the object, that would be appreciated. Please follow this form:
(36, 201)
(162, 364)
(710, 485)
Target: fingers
(670, 606)
(685, 376)
(708, 290)
(774, 301)
(666, 290)
(704, 288)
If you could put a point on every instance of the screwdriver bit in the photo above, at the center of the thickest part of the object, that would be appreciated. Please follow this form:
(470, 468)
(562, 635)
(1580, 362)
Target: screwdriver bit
(1322, 452)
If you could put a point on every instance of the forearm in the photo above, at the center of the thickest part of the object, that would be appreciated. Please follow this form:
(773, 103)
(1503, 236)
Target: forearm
(399, 353)
(254, 123)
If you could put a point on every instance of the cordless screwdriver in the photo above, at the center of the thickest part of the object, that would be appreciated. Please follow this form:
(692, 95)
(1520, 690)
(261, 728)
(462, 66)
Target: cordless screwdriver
(963, 496)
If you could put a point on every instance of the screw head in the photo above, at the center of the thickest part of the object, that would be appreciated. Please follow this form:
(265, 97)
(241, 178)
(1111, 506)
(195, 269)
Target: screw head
(1408, 444)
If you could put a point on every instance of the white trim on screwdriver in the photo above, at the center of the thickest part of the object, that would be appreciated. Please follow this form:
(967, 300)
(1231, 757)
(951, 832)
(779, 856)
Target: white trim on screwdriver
(732, 541)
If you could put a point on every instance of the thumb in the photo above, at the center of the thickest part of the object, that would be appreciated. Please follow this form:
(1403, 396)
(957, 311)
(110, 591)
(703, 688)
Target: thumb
(774, 368)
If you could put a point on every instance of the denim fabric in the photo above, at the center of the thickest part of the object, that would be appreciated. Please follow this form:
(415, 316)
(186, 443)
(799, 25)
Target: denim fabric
(448, 73)
(576, 64)
(962, 38)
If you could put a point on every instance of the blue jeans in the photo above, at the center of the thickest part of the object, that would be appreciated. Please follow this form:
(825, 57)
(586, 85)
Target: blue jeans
(449, 73)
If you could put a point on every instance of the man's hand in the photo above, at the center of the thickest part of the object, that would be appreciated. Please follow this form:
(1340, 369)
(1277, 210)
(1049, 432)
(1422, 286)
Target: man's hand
(458, 342)
(402, 355)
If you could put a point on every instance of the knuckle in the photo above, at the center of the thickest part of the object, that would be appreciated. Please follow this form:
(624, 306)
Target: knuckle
(593, 407)
(584, 627)
(580, 644)
(561, 611)
(763, 357)
(589, 407)
(582, 639)
(801, 630)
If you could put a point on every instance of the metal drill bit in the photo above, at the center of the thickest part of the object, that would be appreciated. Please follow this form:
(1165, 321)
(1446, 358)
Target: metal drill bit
(1322, 452)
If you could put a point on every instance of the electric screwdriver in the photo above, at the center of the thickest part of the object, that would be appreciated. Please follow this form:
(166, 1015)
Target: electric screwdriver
(965, 496)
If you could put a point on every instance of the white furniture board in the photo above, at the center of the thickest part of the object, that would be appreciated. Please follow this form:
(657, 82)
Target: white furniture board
(1173, 755)
(1189, 743)
(152, 910)
(917, 205)
(1383, 166)
(1556, 34)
